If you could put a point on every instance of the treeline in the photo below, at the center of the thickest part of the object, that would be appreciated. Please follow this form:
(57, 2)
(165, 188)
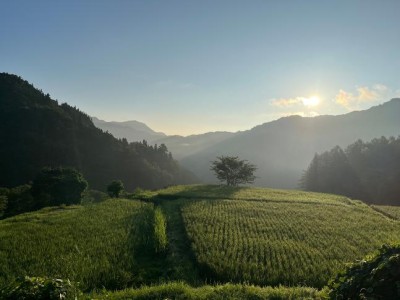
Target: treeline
(51, 187)
(369, 171)
(36, 131)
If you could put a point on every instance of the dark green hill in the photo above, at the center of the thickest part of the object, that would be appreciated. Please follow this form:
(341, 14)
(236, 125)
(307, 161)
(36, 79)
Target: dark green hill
(36, 131)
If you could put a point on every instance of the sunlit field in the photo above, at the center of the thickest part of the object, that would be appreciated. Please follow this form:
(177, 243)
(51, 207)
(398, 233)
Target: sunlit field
(291, 242)
(94, 245)
(287, 244)
(180, 290)
(390, 211)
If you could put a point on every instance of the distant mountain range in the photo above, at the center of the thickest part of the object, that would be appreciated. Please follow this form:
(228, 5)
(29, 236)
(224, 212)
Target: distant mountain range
(180, 146)
(131, 130)
(282, 149)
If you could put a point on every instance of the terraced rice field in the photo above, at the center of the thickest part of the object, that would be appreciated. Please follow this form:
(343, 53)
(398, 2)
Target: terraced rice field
(271, 240)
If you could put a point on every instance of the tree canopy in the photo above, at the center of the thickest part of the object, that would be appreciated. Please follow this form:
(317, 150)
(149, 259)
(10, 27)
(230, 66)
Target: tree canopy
(364, 170)
(233, 171)
(115, 188)
(55, 186)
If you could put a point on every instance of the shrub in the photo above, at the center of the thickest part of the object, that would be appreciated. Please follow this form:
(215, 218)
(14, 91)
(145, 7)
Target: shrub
(58, 186)
(377, 277)
(39, 288)
(19, 200)
(115, 188)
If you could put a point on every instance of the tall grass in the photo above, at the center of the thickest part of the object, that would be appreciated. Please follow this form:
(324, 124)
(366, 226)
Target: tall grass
(389, 211)
(94, 245)
(180, 290)
(160, 231)
(216, 234)
(291, 243)
(249, 193)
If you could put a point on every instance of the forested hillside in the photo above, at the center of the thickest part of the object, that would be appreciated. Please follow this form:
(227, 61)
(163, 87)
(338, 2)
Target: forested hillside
(37, 131)
(364, 170)
(282, 149)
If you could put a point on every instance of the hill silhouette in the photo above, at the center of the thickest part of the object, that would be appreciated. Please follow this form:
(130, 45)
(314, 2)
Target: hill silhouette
(180, 146)
(37, 131)
(133, 131)
(282, 149)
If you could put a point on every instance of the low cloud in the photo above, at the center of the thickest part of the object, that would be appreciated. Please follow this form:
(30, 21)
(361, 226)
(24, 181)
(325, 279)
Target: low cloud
(362, 96)
(288, 102)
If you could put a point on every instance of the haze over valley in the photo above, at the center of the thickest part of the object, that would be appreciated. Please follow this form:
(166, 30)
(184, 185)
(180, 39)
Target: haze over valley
(282, 149)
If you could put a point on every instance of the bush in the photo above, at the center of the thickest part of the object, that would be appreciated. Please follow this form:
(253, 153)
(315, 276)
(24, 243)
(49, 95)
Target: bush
(19, 200)
(58, 186)
(115, 188)
(39, 288)
(377, 277)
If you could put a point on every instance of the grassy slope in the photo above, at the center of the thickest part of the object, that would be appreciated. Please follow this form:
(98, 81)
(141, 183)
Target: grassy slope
(281, 243)
(179, 290)
(390, 211)
(93, 245)
(252, 235)
(280, 237)
(248, 193)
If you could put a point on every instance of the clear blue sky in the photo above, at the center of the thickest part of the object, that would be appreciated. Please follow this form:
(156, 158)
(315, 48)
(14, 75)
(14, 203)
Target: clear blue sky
(187, 67)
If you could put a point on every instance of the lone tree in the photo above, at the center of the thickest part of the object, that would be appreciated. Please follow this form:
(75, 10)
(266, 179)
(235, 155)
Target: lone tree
(233, 171)
(115, 188)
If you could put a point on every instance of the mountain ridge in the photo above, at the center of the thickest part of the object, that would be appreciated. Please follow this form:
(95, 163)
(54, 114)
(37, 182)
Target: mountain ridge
(132, 130)
(308, 134)
(286, 146)
(36, 131)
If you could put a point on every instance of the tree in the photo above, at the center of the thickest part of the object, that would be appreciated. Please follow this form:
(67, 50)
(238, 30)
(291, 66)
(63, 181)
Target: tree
(19, 200)
(331, 172)
(115, 188)
(365, 170)
(55, 186)
(233, 171)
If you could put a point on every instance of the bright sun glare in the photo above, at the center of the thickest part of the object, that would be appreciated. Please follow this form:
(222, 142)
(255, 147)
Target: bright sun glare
(312, 101)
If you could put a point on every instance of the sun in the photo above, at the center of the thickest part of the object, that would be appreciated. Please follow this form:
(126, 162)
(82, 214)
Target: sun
(312, 101)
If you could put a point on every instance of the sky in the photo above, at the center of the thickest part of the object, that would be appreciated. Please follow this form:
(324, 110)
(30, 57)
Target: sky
(189, 67)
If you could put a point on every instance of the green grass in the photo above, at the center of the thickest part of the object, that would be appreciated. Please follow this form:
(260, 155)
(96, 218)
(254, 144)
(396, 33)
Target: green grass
(180, 290)
(282, 242)
(160, 231)
(197, 235)
(94, 245)
(248, 193)
(390, 211)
